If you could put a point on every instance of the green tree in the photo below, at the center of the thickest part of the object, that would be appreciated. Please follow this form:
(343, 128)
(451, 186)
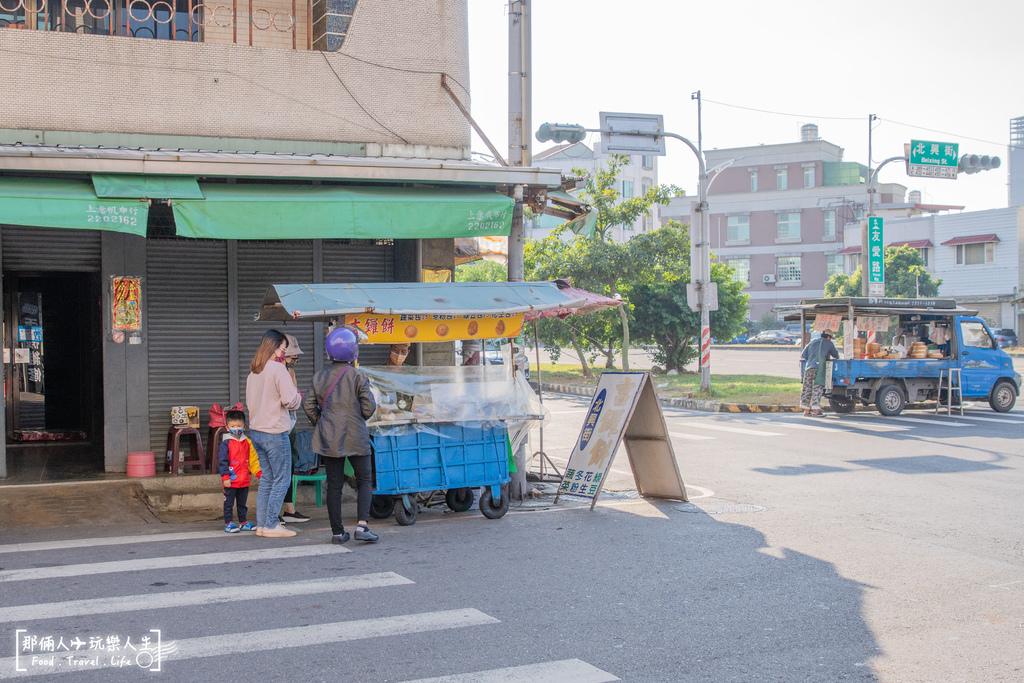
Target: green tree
(658, 297)
(905, 277)
(481, 271)
(601, 191)
(595, 263)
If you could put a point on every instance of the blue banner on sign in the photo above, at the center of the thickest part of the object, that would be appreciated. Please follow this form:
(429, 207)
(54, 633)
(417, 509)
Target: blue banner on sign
(592, 415)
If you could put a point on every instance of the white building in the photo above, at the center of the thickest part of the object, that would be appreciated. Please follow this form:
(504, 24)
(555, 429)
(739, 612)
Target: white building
(778, 215)
(977, 255)
(633, 180)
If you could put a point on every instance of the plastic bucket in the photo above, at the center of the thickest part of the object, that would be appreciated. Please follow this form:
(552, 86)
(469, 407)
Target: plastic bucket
(142, 464)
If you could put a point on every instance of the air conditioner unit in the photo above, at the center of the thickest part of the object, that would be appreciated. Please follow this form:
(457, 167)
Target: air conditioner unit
(769, 279)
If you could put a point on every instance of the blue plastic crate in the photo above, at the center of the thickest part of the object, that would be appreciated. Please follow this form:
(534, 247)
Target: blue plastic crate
(422, 461)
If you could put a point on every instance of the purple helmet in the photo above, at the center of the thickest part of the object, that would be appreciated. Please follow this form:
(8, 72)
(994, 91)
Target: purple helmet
(342, 344)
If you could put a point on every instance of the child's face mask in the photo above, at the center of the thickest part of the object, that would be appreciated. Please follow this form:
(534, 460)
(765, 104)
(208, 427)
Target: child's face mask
(236, 431)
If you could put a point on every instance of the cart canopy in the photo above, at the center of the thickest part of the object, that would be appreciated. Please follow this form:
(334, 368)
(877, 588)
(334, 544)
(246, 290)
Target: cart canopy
(321, 302)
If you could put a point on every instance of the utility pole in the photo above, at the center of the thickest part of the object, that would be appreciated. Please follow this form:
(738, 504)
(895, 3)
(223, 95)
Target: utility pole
(704, 282)
(519, 154)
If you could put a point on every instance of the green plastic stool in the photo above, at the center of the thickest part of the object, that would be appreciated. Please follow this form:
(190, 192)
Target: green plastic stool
(319, 478)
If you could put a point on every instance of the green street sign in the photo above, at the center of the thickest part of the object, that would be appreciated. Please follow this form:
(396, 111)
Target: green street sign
(930, 159)
(876, 252)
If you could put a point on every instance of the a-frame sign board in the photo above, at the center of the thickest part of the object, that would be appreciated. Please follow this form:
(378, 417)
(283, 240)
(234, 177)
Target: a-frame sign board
(624, 407)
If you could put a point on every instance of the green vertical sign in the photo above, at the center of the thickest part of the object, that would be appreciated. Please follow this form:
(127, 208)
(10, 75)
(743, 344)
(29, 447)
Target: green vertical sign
(876, 251)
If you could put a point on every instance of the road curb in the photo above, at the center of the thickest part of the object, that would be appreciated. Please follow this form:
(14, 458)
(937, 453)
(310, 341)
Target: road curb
(688, 403)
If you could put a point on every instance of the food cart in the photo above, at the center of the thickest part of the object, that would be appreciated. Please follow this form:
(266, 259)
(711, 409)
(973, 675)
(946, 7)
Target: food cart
(448, 429)
(925, 350)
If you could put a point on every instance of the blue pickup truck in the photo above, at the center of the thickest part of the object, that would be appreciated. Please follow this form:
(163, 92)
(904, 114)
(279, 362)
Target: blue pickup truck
(965, 342)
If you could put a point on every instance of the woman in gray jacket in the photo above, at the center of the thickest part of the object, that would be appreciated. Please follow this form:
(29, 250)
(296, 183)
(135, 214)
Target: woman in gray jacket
(339, 403)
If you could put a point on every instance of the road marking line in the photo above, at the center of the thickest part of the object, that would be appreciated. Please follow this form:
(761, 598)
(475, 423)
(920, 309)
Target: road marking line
(111, 540)
(991, 419)
(918, 420)
(567, 412)
(858, 423)
(692, 437)
(813, 428)
(284, 638)
(565, 671)
(733, 430)
(209, 596)
(280, 553)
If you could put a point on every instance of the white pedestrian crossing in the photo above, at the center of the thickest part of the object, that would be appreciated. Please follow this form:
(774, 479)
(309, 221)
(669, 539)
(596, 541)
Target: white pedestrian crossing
(112, 540)
(280, 553)
(178, 647)
(284, 638)
(208, 596)
(732, 430)
(565, 671)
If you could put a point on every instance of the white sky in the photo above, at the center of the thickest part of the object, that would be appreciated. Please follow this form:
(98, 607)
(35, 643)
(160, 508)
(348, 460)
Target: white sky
(951, 66)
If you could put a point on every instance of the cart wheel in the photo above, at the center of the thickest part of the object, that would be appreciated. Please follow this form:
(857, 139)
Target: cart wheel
(406, 516)
(459, 500)
(487, 506)
(890, 400)
(1004, 396)
(841, 404)
(381, 507)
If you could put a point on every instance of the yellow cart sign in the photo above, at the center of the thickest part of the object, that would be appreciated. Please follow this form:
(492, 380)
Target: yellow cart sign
(398, 329)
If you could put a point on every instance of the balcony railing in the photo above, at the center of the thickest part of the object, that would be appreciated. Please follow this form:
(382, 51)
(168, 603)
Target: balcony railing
(271, 23)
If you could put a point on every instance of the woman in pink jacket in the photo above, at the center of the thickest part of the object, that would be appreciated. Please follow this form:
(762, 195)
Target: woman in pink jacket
(270, 394)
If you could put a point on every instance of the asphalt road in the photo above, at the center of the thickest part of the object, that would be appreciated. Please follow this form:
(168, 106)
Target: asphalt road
(731, 360)
(856, 548)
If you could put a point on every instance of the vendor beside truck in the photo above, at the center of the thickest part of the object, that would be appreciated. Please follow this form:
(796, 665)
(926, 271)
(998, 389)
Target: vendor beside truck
(918, 342)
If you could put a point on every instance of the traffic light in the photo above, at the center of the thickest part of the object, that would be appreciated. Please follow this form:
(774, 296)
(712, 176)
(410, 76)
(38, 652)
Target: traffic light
(972, 163)
(561, 132)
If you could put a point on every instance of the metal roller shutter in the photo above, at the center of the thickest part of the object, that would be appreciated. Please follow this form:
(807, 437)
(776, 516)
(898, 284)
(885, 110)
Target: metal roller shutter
(261, 264)
(990, 313)
(187, 303)
(51, 249)
(361, 261)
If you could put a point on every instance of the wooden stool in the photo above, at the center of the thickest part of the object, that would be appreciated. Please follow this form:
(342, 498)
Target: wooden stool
(196, 456)
(213, 446)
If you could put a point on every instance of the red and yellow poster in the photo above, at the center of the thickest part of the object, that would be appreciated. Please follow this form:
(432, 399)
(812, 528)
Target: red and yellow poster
(127, 303)
(396, 329)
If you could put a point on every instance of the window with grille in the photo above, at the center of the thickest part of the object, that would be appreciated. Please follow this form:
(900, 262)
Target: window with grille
(753, 181)
(788, 269)
(781, 179)
(834, 264)
(741, 269)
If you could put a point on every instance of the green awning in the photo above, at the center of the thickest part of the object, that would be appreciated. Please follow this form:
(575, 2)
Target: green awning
(269, 212)
(59, 203)
(132, 186)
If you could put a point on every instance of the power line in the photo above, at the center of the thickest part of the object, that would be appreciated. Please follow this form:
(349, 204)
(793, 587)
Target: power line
(358, 103)
(955, 135)
(782, 113)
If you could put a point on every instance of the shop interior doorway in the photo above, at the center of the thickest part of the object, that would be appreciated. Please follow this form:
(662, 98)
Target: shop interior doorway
(53, 379)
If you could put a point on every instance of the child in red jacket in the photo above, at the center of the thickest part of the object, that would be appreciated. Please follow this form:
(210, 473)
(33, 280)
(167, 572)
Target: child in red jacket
(237, 462)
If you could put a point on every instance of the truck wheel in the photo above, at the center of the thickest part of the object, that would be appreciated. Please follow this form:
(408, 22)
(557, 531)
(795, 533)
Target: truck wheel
(841, 404)
(890, 400)
(459, 500)
(381, 507)
(1003, 398)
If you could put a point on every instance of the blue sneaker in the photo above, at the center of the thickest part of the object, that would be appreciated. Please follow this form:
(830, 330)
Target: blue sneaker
(248, 526)
(231, 528)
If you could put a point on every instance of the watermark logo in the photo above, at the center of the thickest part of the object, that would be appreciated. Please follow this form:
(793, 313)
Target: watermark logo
(54, 653)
